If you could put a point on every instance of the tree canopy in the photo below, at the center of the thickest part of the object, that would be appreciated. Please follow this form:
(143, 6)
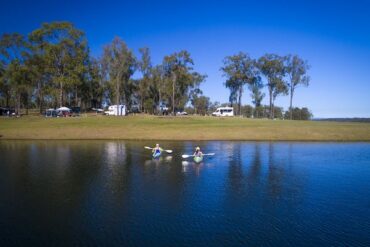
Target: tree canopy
(52, 66)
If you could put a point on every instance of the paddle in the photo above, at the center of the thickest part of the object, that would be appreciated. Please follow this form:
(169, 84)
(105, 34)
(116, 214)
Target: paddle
(184, 156)
(168, 151)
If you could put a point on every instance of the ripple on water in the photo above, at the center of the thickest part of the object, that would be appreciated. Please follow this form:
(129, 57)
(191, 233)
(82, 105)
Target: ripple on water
(101, 193)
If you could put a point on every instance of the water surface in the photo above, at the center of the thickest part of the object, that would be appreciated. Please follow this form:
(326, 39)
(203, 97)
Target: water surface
(107, 193)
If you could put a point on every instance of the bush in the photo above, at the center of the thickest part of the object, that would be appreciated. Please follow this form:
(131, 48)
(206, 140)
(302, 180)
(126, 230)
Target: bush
(299, 114)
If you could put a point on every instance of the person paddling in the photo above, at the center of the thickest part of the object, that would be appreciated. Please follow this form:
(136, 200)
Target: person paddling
(198, 153)
(157, 149)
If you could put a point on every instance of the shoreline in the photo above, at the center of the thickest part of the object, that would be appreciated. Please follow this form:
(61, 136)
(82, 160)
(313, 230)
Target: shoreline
(190, 140)
(189, 128)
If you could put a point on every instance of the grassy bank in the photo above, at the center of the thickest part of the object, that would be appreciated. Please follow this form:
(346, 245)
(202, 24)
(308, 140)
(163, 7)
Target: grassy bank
(179, 128)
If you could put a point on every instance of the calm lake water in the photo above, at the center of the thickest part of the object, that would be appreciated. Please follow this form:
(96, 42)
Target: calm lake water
(107, 193)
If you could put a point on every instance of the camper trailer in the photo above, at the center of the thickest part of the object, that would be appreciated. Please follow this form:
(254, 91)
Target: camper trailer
(224, 112)
(116, 110)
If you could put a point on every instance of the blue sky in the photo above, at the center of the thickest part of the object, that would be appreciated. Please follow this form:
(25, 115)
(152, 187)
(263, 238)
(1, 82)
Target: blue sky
(334, 36)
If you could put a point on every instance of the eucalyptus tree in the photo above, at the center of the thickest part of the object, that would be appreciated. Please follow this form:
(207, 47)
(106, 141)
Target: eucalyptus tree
(201, 105)
(145, 67)
(256, 94)
(64, 52)
(38, 64)
(273, 68)
(119, 64)
(180, 78)
(14, 50)
(240, 70)
(4, 89)
(94, 86)
(297, 72)
(158, 86)
(194, 96)
(234, 89)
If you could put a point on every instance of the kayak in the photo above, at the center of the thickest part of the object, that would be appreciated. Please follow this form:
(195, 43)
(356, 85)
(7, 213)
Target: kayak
(156, 154)
(198, 159)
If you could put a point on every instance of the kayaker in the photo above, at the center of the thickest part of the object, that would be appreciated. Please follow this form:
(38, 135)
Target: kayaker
(198, 153)
(157, 149)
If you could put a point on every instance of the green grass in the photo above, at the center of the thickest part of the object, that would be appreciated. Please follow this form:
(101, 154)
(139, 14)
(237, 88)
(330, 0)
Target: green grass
(179, 128)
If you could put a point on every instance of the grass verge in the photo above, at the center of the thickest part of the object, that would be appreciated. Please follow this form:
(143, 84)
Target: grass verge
(143, 127)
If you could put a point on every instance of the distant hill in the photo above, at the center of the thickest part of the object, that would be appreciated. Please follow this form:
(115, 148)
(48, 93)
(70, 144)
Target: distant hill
(362, 120)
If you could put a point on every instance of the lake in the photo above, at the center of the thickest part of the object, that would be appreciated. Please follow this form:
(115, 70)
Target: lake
(112, 193)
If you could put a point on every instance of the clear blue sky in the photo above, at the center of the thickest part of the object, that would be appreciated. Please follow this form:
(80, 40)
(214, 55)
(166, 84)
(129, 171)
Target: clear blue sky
(334, 36)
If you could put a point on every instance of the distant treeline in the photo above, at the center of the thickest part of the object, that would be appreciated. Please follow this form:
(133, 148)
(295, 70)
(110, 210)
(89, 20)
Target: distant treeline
(360, 120)
(262, 111)
(52, 66)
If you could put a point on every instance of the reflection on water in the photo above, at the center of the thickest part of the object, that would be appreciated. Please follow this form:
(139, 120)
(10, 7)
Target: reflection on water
(249, 193)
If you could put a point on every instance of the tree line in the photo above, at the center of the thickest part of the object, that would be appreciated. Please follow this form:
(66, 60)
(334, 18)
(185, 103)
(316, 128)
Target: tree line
(283, 75)
(52, 66)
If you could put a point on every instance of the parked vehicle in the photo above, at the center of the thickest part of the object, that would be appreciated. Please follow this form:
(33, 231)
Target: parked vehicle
(181, 113)
(51, 113)
(98, 110)
(116, 110)
(6, 111)
(164, 110)
(76, 110)
(135, 109)
(224, 112)
(64, 112)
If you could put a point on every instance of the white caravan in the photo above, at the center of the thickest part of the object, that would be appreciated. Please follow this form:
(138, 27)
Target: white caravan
(224, 112)
(116, 110)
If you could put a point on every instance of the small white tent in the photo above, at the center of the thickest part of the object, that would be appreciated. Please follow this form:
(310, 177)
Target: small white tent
(63, 108)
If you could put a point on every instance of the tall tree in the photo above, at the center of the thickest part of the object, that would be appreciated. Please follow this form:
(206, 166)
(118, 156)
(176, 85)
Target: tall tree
(94, 86)
(297, 72)
(195, 94)
(180, 78)
(256, 94)
(64, 52)
(14, 51)
(201, 105)
(4, 87)
(240, 70)
(119, 64)
(38, 65)
(158, 86)
(145, 67)
(272, 67)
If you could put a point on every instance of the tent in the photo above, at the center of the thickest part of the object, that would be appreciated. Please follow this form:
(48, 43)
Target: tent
(63, 108)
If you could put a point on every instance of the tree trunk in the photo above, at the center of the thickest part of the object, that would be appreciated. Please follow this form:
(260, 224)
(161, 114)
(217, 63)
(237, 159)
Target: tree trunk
(7, 99)
(160, 99)
(271, 104)
(40, 96)
(41, 103)
(18, 104)
(61, 95)
(291, 103)
(76, 97)
(125, 96)
(27, 102)
(117, 91)
(240, 101)
(142, 103)
(173, 94)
